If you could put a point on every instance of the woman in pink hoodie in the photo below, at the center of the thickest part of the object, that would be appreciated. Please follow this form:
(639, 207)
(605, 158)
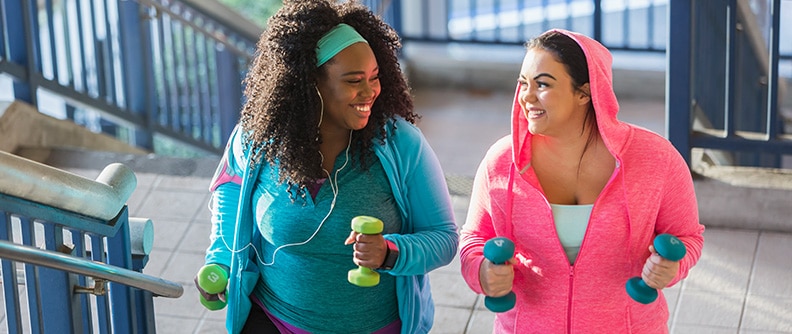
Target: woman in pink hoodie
(582, 195)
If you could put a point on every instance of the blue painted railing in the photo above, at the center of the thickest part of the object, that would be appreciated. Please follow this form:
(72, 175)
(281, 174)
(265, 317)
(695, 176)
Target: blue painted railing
(723, 81)
(45, 208)
(150, 72)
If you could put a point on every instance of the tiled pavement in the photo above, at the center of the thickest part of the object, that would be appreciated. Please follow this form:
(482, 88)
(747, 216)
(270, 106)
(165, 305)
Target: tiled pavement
(742, 284)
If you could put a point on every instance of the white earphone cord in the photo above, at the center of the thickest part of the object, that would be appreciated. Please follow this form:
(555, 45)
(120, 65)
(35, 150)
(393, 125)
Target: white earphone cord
(333, 187)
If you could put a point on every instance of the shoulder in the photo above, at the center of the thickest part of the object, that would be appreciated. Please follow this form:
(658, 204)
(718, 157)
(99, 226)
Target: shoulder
(651, 150)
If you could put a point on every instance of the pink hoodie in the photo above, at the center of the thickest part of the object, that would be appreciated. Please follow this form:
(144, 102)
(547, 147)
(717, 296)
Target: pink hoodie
(650, 192)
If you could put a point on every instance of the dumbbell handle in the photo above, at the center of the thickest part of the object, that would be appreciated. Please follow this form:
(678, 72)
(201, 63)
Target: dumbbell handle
(498, 251)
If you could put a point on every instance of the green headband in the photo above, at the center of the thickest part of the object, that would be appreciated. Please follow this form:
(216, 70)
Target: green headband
(335, 40)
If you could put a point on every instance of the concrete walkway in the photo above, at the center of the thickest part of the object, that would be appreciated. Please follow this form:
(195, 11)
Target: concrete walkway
(742, 284)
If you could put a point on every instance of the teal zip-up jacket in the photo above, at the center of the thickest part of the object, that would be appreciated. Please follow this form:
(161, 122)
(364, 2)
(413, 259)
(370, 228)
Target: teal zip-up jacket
(428, 239)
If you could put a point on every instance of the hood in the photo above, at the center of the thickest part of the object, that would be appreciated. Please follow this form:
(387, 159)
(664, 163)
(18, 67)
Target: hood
(612, 131)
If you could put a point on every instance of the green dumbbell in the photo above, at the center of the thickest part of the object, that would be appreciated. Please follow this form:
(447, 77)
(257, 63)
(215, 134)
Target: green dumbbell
(667, 246)
(212, 279)
(362, 276)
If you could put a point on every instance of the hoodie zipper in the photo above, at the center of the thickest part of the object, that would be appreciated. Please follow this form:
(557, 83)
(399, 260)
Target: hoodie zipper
(572, 266)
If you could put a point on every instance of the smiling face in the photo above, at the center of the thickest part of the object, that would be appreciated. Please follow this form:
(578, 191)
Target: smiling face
(549, 99)
(349, 86)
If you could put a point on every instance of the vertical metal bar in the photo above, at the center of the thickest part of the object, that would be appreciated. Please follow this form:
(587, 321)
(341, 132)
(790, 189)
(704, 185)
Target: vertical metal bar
(82, 299)
(496, 9)
(133, 59)
(230, 95)
(54, 284)
(396, 14)
(82, 49)
(169, 71)
(678, 90)
(53, 58)
(204, 79)
(10, 293)
(110, 60)
(773, 121)
(32, 282)
(193, 84)
(545, 22)
(102, 303)
(184, 82)
(521, 23)
(731, 66)
(19, 19)
(650, 26)
(626, 26)
(568, 23)
(597, 20)
(119, 253)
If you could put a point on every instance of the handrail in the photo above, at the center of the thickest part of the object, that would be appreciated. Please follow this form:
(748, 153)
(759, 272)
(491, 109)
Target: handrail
(55, 260)
(43, 184)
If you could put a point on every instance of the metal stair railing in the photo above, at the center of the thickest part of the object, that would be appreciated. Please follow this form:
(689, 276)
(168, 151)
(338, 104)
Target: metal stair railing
(80, 222)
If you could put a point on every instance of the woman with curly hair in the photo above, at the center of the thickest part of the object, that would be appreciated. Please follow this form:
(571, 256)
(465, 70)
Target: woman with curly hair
(327, 134)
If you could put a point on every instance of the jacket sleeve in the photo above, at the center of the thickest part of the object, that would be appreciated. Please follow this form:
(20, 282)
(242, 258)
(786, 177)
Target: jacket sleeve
(477, 230)
(432, 242)
(678, 213)
(224, 202)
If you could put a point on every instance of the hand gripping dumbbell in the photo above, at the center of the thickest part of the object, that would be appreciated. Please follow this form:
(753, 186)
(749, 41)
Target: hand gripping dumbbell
(212, 279)
(498, 251)
(670, 248)
(362, 276)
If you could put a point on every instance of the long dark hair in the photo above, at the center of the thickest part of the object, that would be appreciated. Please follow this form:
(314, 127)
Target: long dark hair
(281, 114)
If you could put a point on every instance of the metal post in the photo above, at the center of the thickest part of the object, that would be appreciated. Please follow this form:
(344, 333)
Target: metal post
(134, 36)
(678, 76)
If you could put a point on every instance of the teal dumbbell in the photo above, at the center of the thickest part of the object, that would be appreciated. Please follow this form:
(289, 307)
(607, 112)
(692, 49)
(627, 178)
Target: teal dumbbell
(212, 279)
(670, 248)
(498, 251)
(362, 276)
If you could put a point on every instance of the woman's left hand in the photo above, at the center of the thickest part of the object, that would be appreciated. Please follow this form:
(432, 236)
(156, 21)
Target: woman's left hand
(369, 249)
(658, 271)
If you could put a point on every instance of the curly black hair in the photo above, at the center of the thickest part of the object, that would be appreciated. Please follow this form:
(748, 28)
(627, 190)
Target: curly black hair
(281, 113)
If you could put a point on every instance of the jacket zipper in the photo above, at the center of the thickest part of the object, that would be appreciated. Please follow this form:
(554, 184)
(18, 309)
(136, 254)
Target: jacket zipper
(569, 305)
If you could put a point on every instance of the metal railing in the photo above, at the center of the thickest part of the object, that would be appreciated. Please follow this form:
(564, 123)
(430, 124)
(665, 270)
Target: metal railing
(723, 82)
(150, 72)
(43, 207)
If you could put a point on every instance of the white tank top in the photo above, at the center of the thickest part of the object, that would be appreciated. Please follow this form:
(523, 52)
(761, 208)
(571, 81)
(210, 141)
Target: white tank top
(571, 222)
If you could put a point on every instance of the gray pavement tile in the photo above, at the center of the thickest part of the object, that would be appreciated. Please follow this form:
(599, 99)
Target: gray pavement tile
(185, 307)
(200, 184)
(710, 309)
(211, 327)
(694, 329)
(481, 322)
(196, 238)
(725, 263)
(169, 324)
(168, 233)
(768, 313)
(158, 261)
(172, 204)
(451, 290)
(183, 266)
(772, 274)
(450, 320)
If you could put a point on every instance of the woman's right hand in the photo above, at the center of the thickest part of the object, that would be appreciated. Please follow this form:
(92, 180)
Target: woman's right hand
(496, 279)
